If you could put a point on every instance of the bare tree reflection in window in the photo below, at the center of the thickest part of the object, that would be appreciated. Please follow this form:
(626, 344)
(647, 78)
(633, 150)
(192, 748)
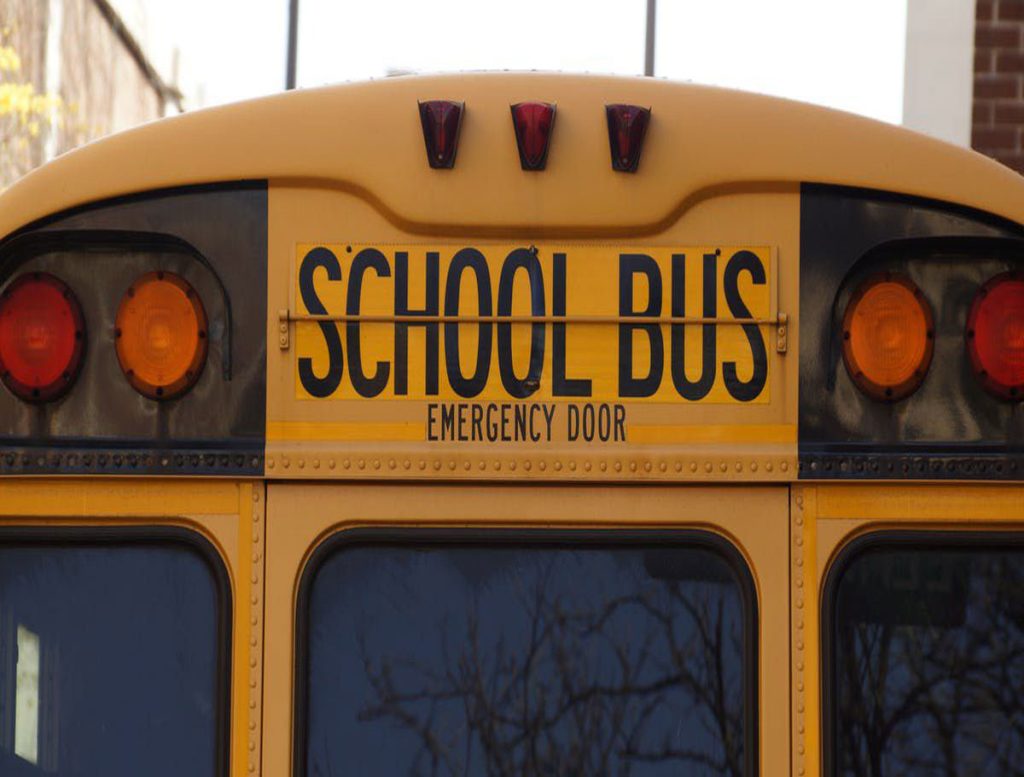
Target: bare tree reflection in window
(625, 674)
(931, 672)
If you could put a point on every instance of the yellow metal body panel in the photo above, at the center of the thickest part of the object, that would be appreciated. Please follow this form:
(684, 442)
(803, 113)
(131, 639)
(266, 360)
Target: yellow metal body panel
(365, 139)
(300, 517)
(824, 519)
(667, 440)
(228, 514)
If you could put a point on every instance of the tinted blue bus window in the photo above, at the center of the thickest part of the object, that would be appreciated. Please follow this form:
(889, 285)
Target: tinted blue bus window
(928, 647)
(109, 660)
(498, 659)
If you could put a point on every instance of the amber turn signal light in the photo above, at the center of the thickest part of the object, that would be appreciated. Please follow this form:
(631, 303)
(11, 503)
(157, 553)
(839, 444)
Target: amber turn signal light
(42, 337)
(888, 337)
(995, 336)
(161, 335)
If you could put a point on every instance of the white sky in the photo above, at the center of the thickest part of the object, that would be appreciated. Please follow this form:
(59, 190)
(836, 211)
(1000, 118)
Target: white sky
(843, 54)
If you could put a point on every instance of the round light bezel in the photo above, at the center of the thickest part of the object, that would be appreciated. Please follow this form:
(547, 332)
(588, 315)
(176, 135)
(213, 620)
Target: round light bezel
(1004, 391)
(191, 375)
(878, 391)
(63, 383)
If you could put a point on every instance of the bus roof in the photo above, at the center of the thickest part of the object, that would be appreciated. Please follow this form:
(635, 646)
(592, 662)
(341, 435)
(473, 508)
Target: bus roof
(366, 138)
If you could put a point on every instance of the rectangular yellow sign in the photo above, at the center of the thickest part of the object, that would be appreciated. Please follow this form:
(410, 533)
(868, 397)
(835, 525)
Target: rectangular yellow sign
(487, 323)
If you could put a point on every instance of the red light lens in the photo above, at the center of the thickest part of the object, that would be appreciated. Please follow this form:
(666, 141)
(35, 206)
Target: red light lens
(42, 337)
(533, 123)
(995, 336)
(627, 125)
(441, 120)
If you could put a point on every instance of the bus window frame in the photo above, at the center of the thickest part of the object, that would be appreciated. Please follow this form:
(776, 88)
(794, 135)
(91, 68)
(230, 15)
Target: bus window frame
(414, 537)
(159, 535)
(925, 538)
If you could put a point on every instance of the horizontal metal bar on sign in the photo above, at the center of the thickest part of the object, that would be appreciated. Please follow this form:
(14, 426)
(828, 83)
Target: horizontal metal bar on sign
(393, 319)
(286, 318)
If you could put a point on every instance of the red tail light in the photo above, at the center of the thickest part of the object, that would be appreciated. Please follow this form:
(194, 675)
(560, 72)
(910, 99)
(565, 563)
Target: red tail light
(627, 125)
(995, 336)
(533, 123)
(441, 120)
(42, 337)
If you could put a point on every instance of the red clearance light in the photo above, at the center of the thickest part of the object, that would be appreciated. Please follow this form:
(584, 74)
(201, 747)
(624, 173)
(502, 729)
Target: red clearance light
(441, 120)
(995, 336)
(533, 123)
(627, 125)
(42, 337)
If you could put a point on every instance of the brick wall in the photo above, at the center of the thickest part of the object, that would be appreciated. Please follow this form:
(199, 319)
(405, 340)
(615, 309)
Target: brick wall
(998, 119)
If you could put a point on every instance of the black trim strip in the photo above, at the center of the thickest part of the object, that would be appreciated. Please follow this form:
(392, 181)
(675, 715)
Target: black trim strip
(156, 536)
(960, 463)
(966, 540)
(528, 538)
(129, 459)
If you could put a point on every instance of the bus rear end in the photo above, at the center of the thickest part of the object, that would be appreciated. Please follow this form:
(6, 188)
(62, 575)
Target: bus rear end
(510, 424)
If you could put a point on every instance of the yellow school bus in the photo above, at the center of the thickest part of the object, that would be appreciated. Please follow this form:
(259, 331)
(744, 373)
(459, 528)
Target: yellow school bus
(512, 424)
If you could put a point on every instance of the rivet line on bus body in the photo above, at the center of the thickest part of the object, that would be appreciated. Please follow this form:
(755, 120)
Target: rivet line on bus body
(798, 626)
(255, 639)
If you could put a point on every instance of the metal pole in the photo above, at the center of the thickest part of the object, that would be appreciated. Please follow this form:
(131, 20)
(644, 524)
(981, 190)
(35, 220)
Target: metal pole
(652, 10)
(293, 43)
